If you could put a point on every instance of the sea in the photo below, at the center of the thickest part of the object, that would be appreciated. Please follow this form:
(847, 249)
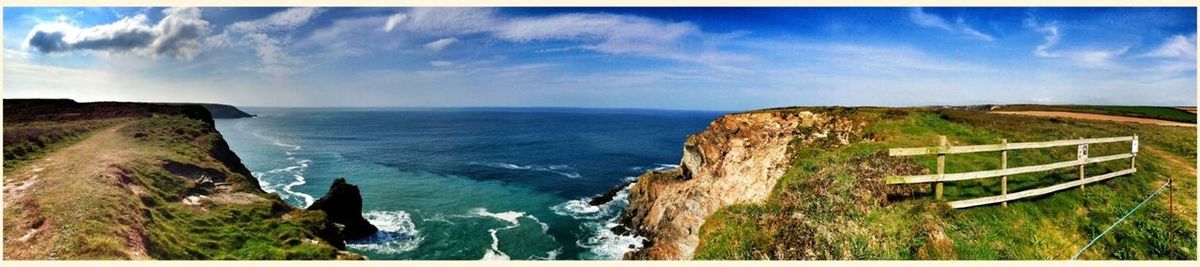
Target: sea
(468, 183)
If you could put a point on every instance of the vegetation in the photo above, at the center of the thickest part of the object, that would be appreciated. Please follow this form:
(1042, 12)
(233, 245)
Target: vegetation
(1150, 112)
(25, 141)
(831, 203)
(106, 193)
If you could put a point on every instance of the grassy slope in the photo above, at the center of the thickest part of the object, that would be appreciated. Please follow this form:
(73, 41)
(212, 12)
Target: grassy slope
(88, 215)
(1162, 113)
(830, 204)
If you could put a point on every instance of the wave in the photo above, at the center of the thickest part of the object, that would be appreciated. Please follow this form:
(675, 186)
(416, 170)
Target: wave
(513, 220)
(295, 171)
(580, 209)
(564, 170)
(603, 242)
(511, 217)
(397, 233)
(655, 167)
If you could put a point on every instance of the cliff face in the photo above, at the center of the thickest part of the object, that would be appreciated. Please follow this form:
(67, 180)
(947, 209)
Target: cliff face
(738, 159)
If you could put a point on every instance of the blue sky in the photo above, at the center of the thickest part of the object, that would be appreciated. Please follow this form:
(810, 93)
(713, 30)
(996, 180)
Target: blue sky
(674, 58)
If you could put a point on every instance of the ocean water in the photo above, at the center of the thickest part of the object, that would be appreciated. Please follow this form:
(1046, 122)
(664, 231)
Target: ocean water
(479, 183)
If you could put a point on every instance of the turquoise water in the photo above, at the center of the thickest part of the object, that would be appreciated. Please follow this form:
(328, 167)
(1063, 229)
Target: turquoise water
(501, 183)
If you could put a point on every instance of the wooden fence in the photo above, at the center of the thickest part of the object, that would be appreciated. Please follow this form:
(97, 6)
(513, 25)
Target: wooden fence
(1081, 160)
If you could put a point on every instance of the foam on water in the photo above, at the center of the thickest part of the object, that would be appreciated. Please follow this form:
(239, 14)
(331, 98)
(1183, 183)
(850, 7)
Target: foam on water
(656, 167)
(513, 220)
(580, 209)
(511, 217)
(397, 233)
(564, 170)
(602, 242)
(295, 171)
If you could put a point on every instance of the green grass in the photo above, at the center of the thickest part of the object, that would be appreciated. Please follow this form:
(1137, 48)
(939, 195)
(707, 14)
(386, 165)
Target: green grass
(31, 140)
(1151, 112)
(830, 203)
(92, 215)
(257, 230)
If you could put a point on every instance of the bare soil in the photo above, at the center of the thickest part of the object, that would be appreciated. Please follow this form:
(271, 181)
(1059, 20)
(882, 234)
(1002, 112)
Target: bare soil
(1088, 116)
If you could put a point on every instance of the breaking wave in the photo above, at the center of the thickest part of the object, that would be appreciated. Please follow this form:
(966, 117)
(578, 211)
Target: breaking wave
(397, 233)
(602, 243)
(276, 180)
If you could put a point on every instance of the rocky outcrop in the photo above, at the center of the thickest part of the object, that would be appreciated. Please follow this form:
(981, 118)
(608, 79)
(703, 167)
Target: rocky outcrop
(738, 159)
(222, 111)
(608, 196)
(343, 207)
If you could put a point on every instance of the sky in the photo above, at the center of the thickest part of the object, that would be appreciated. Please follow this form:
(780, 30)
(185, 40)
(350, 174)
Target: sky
(668, 58)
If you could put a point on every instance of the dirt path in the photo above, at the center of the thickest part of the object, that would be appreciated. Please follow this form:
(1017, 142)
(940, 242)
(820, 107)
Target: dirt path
(1172, 159)
(52, 204)
(1089, 116)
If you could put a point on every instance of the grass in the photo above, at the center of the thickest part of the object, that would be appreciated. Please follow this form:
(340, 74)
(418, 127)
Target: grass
(31, 140)
(103, 186)
(831, 204)
(265, 229)
(1151, 112)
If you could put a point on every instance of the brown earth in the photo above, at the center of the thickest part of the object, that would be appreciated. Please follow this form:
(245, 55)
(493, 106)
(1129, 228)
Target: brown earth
(88, 169)
(1088, 116)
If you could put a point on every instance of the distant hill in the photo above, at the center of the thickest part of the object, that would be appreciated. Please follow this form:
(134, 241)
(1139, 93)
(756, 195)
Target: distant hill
(222, 111)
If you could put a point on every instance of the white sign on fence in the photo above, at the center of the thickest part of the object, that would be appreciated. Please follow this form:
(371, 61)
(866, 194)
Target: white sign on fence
(1083, 152)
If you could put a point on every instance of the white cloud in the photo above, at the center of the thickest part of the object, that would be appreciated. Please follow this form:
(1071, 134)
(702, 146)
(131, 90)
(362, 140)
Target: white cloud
(599, 32)
(177, 35)
(1086, 57)
(1178, 46)
(440, 44)
(608, 33)
(450, 21)
(441, 63)
(1050, 33)
(287, 19)
(919, 17)
(393, 20)
(269, 37)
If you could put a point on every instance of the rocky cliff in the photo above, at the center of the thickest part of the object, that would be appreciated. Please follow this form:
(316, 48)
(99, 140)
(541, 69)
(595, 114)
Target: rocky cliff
(737, 159)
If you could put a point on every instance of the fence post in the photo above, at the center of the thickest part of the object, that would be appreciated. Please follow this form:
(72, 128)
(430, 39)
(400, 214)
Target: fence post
(941, 168)
(1081, 154)
(1004, 165)
(1133, 150)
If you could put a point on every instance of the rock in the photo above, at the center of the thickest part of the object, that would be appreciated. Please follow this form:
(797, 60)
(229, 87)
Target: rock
(608, 195)
(738, 159)
(343, 206)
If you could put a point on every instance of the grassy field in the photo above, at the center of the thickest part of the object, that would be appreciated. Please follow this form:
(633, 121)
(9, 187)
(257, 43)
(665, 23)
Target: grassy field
(1161, 113)
(831, 204)
(103, 192)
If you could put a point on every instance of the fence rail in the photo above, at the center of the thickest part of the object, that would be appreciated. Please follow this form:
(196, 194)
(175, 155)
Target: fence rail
(1082, 159)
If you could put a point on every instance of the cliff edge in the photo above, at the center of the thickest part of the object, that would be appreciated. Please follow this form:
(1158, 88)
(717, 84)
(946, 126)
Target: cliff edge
(114, 180)
(737, 159)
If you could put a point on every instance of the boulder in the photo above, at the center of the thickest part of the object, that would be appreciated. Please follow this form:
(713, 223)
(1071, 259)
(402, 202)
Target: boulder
(343, 207)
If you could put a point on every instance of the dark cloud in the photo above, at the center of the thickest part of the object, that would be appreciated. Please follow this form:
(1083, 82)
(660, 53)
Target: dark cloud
(177, 35)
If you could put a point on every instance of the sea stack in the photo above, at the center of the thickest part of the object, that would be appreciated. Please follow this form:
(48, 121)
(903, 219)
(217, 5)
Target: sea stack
(343, 206)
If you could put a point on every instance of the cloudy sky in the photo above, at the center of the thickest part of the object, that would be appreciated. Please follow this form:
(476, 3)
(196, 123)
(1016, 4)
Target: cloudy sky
(676, 58)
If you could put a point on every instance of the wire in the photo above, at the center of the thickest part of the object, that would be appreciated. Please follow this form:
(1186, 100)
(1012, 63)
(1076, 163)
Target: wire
(1160, 189)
